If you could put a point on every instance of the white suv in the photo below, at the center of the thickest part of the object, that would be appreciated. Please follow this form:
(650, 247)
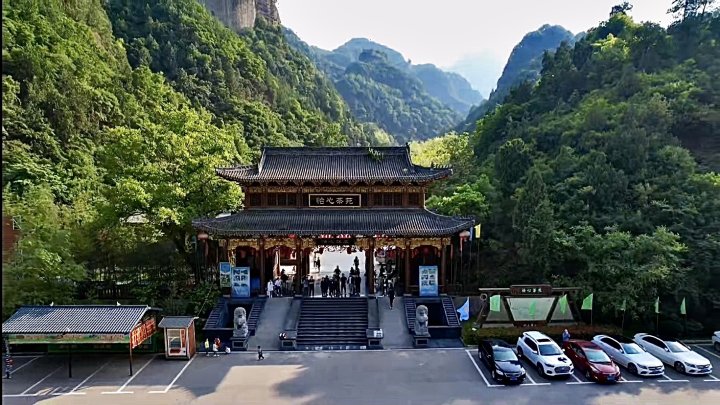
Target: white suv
(544, 354)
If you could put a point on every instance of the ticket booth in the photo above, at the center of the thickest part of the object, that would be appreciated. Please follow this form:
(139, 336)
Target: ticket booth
(179, 332)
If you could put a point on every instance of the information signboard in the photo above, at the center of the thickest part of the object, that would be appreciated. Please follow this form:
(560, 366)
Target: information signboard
(428, 281)
(240, 282)
(141, 332)
(225, 274)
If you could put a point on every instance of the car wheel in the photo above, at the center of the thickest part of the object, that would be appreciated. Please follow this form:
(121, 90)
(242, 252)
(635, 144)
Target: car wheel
(633, 369)
(680, 368)
(520, 353)
(540, 370)
(717, 346)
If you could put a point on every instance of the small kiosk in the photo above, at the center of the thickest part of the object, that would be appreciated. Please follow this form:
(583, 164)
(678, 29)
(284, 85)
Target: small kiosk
(179, 336)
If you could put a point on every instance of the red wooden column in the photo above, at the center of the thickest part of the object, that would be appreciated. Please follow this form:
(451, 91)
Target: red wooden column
(298, 265)
(443, 276)
(261, 244)
(407, 266)
(370, 267)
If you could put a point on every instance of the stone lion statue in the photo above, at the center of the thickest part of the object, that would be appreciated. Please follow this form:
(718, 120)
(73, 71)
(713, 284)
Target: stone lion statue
(241, 328)
(421, 320)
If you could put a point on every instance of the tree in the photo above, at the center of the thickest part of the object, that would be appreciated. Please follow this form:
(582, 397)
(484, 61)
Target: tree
(621, 8)
(534, 223)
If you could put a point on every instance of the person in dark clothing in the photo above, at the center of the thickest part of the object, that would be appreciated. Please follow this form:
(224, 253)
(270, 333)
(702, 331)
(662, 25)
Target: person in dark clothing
(391, 294)
(337, 271)
(357, 284)
(311, 285)
(356, 262)
(260, 354)
(343, 283)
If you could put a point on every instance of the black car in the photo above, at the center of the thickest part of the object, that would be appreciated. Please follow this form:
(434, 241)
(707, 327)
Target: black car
(500, 359)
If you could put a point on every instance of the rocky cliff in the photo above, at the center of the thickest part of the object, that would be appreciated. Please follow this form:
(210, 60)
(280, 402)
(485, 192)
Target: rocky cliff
(241, 14)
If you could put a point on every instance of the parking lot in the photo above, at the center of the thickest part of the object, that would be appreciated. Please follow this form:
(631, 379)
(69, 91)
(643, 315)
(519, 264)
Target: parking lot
(533, 379)
(442, 376)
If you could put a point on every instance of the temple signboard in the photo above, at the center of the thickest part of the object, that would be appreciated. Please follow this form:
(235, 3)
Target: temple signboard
(334, 200)
(536, 290)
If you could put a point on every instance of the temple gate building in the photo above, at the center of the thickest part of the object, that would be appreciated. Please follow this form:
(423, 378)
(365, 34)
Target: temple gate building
(301, 201)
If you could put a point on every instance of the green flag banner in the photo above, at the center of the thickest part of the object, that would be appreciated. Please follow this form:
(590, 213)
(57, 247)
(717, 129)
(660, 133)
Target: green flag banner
(563, 302)
(623, 307)
(587, 302)
(657, 305)
(532, 308)
(495, 303)
(683, 311)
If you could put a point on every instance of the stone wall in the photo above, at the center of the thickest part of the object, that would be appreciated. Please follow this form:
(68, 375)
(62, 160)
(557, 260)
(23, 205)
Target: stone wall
(241, 14)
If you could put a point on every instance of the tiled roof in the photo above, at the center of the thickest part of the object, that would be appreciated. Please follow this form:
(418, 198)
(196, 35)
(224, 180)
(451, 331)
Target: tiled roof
(74, 319)
(176, 322)
(321, 221)
(350, 164)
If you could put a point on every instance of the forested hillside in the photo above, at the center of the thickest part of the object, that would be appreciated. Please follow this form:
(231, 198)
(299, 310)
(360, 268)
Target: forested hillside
(524, 64)
(400, 87)
(117, 109)
(583, 180)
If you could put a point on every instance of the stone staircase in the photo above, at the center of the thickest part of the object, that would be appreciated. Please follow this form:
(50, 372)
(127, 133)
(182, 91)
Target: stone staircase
(333, 324)
(451, 314)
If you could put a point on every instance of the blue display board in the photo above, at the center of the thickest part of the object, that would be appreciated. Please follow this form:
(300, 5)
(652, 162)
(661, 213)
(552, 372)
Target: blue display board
(428, 281)
(225, 274)
(240, 282)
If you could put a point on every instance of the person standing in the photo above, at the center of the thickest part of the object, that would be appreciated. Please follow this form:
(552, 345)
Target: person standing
(565, 336)
(278, 288)
(306, 286)
(216, 347)
(391, 294)
(343, 283)
(270, 288)
(260, 354)
(311, 284)
(207, 347)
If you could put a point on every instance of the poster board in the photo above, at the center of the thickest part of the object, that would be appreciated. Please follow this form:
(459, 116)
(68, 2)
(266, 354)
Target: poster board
(225, 274)
(428, 281)
(240, 282)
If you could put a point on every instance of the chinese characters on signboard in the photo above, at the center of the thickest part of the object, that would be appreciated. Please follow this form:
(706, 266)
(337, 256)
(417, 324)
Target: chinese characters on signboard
(240, 282)
(334, 200)
(542, 289)
(428, 281)
(143, 331)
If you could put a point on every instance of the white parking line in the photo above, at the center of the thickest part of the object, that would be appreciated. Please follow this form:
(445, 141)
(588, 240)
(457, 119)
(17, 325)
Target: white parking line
(174, 379)
(23, 365)
(72, 391)
(120, 390)
(625, 380)
(478, 370)
(37, 383)
(707, 351)
(576, 379)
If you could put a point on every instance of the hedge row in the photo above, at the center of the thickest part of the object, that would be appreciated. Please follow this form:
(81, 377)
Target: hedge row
(511, 334)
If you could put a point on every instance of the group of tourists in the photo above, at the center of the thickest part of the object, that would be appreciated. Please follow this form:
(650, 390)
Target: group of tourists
(280, 286)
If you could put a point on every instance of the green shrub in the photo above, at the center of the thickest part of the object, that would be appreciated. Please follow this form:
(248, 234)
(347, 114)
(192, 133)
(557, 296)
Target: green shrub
(511, 334)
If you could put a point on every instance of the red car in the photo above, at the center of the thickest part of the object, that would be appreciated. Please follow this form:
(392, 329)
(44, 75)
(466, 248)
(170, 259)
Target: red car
(589, 359)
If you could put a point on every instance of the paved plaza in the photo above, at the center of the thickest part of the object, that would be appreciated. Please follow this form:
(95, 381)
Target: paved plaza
(393, 377)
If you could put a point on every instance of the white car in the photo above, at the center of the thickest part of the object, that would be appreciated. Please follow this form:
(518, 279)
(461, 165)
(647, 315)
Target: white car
(628, 354)
(544, 354)
(675, 354)
(716, 340)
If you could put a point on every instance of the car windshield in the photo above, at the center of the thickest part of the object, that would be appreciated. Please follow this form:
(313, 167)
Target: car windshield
(632, 348)
(597, 356)
(549, 350)
(504, 355)
(676, 347)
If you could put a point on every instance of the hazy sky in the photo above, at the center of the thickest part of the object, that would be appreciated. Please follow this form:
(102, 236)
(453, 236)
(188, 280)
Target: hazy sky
(443, 32)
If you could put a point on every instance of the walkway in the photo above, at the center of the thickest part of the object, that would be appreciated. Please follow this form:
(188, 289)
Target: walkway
(270, 324)
(392, 322)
